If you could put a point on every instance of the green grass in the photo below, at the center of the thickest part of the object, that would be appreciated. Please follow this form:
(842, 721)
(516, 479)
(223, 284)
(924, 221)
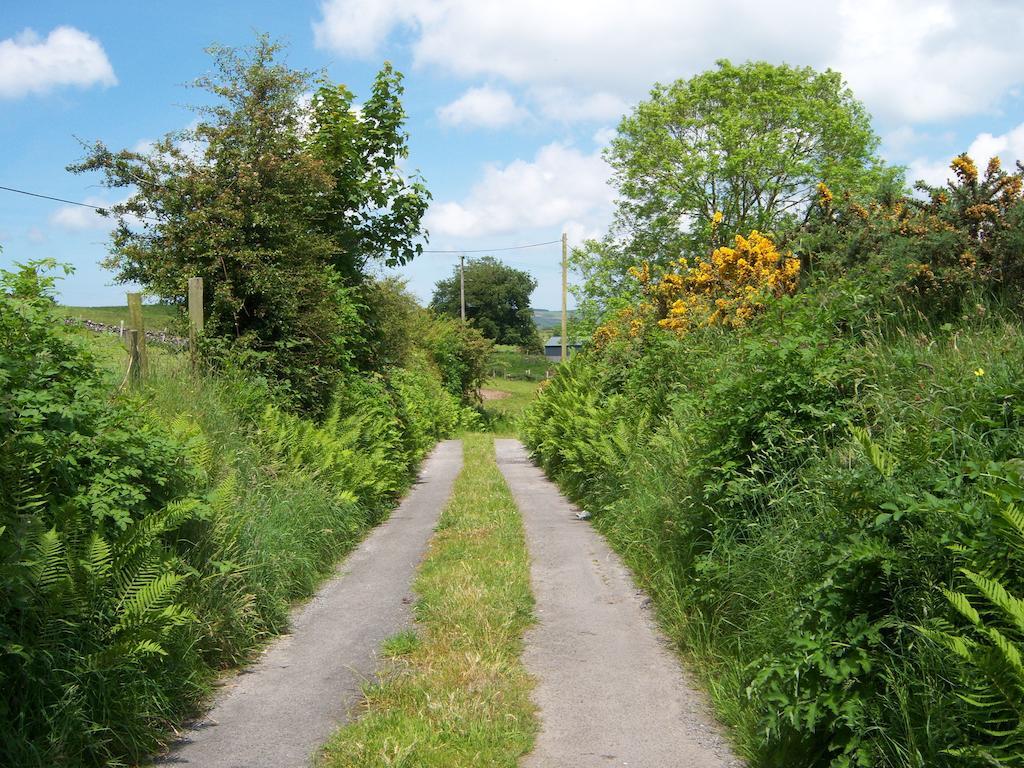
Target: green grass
(111, 353)
(502, 413)
(157, 317)
(508, 362)
(457, 695)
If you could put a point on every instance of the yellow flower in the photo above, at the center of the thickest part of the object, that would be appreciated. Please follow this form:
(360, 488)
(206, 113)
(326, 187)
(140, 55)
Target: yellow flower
(965, 169)
(979, 372)
(824, 195)
(717, 218)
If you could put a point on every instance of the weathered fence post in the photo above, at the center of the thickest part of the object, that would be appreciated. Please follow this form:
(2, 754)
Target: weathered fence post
(195, 316)
(135, 322)
(134, 356)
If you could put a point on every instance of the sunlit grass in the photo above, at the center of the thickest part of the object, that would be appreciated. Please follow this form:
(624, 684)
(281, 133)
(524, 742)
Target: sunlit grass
(503, 412)
(456, 694)
(157, 317)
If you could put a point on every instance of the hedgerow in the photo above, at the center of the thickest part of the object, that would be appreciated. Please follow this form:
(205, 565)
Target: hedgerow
(817, 496)
(151, 538)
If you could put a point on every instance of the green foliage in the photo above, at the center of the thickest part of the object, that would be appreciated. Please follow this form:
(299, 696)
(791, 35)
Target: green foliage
(90, 600)
(990, 648)
(373, 212)
(497, 301)
(460, 353)
(278, 220)
(749, 141)
(791, 553)
(148, 541)
(942, 254)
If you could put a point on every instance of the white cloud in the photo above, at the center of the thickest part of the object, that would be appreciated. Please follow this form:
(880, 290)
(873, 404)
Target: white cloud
(918, 60)
(30, 64)
(485, 106)
(77, 218)
(36, 235)
(932, 172)
(357, 27)
(566, 105)
(559, 187)
(1008, 147)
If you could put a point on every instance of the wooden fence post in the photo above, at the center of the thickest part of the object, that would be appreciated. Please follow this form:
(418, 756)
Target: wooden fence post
(134, 357)
(135, 322)
(195, 315)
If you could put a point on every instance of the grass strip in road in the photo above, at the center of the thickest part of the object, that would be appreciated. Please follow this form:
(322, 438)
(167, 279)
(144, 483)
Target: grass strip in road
(454, 692)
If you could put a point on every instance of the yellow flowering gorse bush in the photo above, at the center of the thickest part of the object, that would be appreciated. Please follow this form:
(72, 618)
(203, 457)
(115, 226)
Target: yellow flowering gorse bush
(728, 289)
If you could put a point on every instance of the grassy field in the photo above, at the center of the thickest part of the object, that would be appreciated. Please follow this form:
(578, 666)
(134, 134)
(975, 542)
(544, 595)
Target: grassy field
(508, 362)
(157, 317)
(503, 412)
(455, 692)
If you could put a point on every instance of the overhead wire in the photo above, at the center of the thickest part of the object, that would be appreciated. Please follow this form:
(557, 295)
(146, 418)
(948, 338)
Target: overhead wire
(68, 202)
(149, 218)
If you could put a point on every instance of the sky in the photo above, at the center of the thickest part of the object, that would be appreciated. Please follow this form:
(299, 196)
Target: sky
(510, 103)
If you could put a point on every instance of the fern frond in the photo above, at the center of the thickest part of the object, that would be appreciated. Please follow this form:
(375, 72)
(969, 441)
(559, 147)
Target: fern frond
(962, 603)
(880, 459)
(996, 594)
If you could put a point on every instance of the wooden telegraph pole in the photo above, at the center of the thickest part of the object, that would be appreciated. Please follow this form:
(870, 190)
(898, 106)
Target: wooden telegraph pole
(135, 322)
(565, 292)
(462, 285)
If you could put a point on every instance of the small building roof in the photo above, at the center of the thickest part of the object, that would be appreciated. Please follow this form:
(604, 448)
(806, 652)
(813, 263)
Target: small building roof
(556, 341)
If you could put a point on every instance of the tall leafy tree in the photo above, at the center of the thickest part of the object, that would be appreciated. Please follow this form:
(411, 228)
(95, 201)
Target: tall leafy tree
(750, 143)
(256, 201)
(730, 150)
(497, 301)
(373, 210)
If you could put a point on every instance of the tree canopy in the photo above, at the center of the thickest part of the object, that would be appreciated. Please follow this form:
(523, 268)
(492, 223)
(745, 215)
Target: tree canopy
(735, 149)
(497, 301)
(731, 150)
(277, 204)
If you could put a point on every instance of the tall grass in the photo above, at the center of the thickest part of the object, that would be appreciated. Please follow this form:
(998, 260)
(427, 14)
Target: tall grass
(788, 557)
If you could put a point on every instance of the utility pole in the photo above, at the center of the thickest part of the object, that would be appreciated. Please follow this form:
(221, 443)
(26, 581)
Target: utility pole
(565, 292)
(462, 285)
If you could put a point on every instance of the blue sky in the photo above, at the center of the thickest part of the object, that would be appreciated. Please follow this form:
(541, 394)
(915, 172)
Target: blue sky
(509, 103)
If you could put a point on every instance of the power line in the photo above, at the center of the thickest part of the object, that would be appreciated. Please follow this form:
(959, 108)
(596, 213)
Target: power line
(493, 250)
(149, 218)
(68, 202)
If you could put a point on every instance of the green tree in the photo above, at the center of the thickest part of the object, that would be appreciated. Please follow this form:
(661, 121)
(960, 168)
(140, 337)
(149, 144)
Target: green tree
(277, 213)
(497, 301)
(751, 142)
(373, 211)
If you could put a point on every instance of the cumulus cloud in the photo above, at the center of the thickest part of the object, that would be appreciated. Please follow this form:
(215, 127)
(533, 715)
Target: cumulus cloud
(560, 185)
(920, 60)
(565, 105)
(1008, 147)
(67, 56)
(77, 218)
(486, 107)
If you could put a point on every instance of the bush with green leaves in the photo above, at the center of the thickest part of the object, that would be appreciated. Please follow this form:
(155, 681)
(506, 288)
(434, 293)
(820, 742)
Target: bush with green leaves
(789, 493)
(151, 538)
(91, 600)
(460, 352)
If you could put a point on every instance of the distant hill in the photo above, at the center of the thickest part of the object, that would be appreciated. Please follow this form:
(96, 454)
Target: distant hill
(549, 318)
